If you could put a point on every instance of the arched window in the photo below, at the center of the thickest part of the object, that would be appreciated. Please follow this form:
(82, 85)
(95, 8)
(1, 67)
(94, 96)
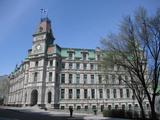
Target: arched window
(116, 107)
(123, 107)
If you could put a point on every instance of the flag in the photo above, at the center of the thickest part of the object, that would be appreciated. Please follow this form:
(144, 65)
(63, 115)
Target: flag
(43, 13)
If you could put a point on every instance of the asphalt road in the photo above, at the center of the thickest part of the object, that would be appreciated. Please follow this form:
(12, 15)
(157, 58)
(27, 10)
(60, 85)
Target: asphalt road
(7, 114)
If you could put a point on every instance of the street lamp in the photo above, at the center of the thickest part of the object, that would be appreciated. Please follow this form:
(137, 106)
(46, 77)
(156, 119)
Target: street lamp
(88, 103)
(133, 98)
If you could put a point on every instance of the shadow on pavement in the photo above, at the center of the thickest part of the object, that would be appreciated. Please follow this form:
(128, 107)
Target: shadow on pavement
(9, 114)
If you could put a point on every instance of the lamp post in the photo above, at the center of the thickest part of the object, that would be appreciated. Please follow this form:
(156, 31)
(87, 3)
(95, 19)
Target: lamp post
(88, 103)
(133, 98)
(96, 109)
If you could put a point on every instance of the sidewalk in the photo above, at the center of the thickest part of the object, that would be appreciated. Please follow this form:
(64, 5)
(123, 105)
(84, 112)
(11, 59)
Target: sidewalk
(102, 118)
(85, 116)
(2, 118)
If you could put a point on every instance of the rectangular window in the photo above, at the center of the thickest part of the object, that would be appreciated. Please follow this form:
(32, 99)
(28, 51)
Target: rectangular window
(100, 79)
(106, 77)
(85, 78)
(62, 78)
(100, 93)
(77, 66)
(77, 93)
(77, 78)
(86, 107)
(70, 78)
(92, 79)
(57, 77)
(84, 66)
(118, 67)
(62, 107)
(114, 93)
(92, 66)
(98, 57)
(70, 93)
(121, 93)
(36, 64)
(51, 63)
(113, 79)
(111, 67)
(57, 64)
(108, 93)
(62, 93)
(70, 65)
(120, 79)
(145, 94)
(99, 67)
(35, 76)
(63, 65)
(126, 77)
(85, 93)
(93, 93)
(50, 76)
(127, 93)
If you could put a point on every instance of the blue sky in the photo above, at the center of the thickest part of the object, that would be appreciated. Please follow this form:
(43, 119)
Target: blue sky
(75, 23)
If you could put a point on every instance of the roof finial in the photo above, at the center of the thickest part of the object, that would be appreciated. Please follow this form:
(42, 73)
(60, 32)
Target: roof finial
(44, 13)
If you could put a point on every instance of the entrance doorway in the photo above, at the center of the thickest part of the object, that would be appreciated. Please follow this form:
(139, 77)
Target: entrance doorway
(49, 97)
(34, 97)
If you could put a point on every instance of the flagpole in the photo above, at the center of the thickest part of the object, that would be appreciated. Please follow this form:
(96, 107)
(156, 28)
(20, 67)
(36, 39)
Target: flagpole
(41, 11)
(44, 14)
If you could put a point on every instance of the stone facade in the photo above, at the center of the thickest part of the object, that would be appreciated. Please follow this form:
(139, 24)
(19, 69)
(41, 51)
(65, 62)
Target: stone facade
(57, 77)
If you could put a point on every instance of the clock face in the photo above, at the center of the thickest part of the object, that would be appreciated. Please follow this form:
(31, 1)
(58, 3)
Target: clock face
(38, 47)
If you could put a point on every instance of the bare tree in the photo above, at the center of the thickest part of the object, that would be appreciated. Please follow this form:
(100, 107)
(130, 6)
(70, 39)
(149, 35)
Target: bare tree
(137, 49)
(118, 53)
(4, 87)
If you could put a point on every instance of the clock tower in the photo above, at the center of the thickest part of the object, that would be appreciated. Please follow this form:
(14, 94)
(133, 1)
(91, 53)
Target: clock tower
(43, 37)
(38, 61)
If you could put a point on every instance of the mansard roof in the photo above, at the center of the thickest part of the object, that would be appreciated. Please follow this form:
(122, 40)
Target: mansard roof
(64, 52)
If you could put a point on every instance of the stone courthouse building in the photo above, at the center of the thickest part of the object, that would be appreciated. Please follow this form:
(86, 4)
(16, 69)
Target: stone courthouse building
(57, 77)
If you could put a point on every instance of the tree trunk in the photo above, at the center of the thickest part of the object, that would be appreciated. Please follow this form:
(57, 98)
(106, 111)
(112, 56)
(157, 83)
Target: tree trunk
(142, 111)
(152, 105)
(153, 112)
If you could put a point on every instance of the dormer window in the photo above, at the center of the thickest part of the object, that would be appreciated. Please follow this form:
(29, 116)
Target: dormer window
(70, 56)
(98, 57)
(84, 56)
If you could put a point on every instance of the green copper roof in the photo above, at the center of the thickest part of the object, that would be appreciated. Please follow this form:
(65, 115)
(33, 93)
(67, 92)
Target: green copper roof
(78, 52)
(57, 50)
(64, 52)
(91, 54)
